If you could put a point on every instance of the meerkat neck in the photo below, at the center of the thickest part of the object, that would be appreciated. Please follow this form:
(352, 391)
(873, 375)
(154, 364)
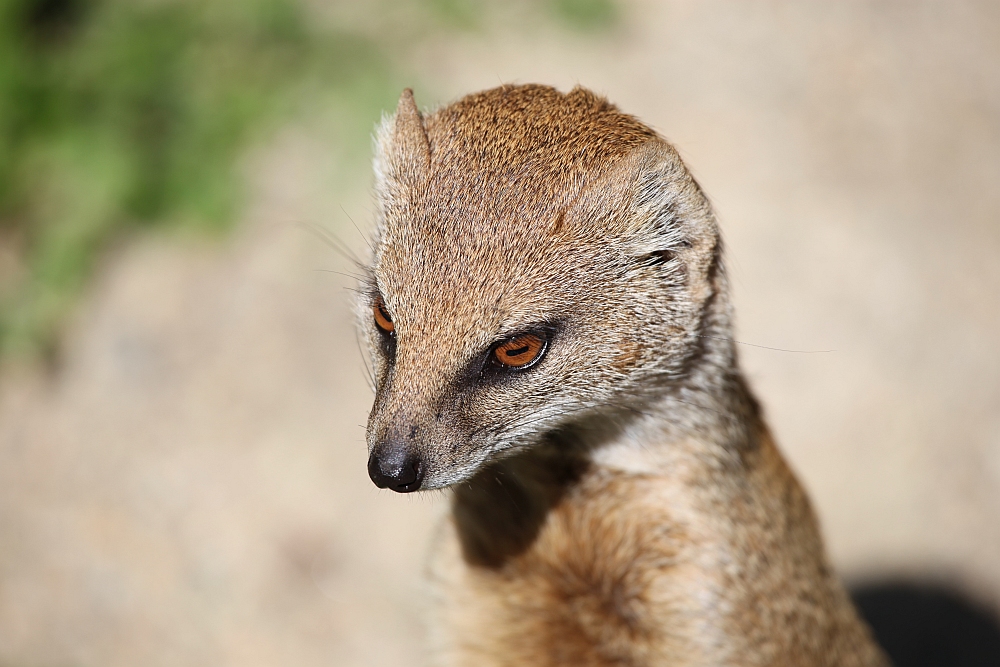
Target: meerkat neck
(708, 403)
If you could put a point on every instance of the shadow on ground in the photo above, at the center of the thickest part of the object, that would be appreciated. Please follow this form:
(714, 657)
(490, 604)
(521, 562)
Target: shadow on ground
(929, 625)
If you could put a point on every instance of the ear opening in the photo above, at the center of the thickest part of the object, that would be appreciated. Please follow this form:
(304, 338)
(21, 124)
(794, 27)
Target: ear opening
(665, 255)
(658, 257)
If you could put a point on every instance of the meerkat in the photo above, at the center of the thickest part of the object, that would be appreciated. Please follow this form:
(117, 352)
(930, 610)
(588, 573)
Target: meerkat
(550, 325)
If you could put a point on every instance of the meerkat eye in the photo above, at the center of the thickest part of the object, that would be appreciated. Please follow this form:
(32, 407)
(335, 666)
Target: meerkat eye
(382, 318)
(521, 351)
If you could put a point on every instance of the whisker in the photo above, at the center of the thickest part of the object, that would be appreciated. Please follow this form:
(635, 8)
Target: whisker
(496, 475)
(362, 234)
(358, 291)
(765, 347)
(343, 273)
(370, 376)
(334, 242)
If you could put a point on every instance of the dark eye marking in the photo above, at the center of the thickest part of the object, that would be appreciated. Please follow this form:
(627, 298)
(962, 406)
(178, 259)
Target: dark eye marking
(511, 356)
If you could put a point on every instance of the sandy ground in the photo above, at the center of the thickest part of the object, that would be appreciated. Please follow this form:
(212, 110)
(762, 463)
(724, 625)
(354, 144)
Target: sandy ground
(189, 487)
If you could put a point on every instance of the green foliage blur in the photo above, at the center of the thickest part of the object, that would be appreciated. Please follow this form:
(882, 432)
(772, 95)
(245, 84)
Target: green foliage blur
(122, 114)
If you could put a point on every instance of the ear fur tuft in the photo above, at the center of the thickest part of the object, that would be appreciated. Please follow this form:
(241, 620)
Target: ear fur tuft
(402, 149)
(410, 137)
(402, 154)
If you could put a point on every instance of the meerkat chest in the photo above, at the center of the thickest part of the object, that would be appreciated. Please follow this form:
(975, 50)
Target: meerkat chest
(601, 582)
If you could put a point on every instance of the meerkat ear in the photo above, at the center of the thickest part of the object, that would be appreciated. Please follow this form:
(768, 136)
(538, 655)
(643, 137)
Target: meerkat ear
(402, 151)
(649, 206)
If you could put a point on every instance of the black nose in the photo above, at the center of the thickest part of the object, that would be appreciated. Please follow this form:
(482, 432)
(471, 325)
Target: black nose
(396, 469)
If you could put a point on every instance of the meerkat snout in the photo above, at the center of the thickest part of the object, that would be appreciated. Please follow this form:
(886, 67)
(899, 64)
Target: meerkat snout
(396, 460)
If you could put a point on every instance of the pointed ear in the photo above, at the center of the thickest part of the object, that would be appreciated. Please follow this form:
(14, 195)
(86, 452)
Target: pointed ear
(402, 151)
(648, 206)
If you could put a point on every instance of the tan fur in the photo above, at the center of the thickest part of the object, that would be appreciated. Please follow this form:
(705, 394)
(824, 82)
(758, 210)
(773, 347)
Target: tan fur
(621, 502)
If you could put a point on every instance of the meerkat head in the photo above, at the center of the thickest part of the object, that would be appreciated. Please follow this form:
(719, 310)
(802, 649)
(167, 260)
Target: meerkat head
(539, 258)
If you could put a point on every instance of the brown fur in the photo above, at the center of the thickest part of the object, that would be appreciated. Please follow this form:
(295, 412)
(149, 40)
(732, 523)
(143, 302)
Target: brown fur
(620, 503)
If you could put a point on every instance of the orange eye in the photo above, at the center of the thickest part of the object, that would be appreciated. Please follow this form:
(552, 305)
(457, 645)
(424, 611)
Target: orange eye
(521, 351)
(382, 319)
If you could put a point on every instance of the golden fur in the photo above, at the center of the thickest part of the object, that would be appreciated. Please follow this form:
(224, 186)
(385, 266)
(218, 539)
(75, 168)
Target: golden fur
(621, 502)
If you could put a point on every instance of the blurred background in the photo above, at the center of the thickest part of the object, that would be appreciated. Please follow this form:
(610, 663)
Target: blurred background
(182, 461)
